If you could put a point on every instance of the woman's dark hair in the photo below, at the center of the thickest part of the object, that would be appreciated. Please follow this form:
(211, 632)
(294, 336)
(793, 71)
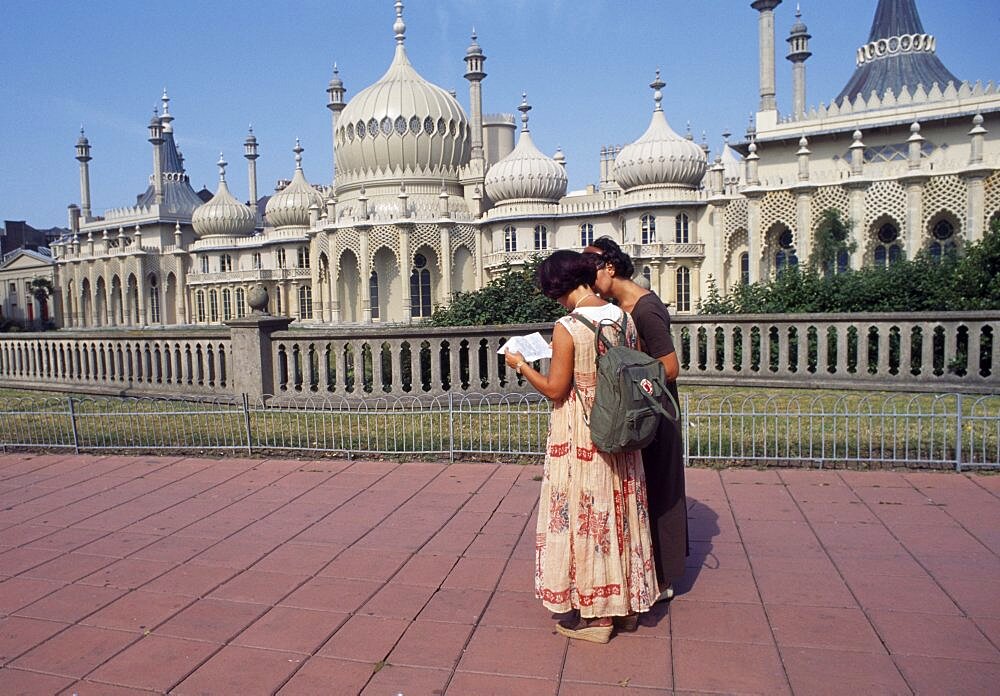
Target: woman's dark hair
(564, 271)
(612, 254)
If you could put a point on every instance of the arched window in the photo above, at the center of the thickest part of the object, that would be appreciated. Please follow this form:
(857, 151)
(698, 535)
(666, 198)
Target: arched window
(745, 268)
(586, 234)
(541, 238)
(785, 257)
(420, 288)
(681, 234)
(154, 301)
(199, 303)
(888, 249)
(647, 273)
(227, 304)
(509, 238)
(213, 306)
(280, 254)
(944, 240)
(256, 261)
(278, 303)
(204, 264)
(302, 257)
(683, 289)
(241, 303)
(225, 263)
(305, 302)
(648, 227)
(373, 293)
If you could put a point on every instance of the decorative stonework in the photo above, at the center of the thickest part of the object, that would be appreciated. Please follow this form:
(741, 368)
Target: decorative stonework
(734, 217)
(827, 197)
(884, 198)
(777, 206)
(944, 193)
(991, 202)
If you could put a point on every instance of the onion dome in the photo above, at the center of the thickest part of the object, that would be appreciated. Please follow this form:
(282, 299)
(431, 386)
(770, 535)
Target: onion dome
(660, 157)
(290, 206)
(401, 126)
(526, 174)
(223, 214)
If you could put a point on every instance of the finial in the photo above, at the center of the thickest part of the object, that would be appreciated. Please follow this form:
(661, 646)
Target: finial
(166, 102)
(82, 133)
(687, 131)
(798, 11)
(657, 85)
(222, 167)
(298, 150)
(524, 108)
(399, 26)
(725, 136)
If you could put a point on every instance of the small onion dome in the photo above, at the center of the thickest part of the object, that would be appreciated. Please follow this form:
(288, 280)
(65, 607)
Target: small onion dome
(799, 27)
(660, 157)
(290, 206)
(223, 214)
(526, 174)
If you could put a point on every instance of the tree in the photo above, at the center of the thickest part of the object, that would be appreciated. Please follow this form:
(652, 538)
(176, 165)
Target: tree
(831, 246)
(510, 298)
(41, 289)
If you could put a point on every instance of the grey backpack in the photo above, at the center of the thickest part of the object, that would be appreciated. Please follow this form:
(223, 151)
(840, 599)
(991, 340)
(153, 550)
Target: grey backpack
(631, 388)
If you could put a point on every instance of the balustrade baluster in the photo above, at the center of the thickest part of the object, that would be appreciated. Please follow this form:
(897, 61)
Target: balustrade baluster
(842, 350)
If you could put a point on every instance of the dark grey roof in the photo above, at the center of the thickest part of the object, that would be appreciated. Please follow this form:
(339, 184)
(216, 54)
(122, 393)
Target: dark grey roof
(892, 72)
(178, 196)
(171, 157)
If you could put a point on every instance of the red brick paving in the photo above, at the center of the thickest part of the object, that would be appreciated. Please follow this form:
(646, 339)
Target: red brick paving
(184, 575)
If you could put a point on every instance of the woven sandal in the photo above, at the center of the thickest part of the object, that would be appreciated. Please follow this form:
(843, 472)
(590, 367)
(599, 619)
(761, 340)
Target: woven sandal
(580, 629)
(666, 595)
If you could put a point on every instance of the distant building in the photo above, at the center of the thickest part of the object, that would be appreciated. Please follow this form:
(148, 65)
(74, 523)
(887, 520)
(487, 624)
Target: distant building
(425, 200)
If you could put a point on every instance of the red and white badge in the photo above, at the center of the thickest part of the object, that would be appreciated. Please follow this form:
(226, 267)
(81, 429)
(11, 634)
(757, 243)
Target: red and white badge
(647, 386)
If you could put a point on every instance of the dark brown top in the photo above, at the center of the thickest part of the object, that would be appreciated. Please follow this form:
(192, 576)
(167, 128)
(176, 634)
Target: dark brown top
(653, 323)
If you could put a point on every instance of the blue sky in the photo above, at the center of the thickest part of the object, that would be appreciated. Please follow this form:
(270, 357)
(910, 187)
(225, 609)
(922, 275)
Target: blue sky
(585, 65)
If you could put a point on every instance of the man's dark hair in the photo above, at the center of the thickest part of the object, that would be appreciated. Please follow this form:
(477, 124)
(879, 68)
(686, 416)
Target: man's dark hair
(563, 272)
(612, 254)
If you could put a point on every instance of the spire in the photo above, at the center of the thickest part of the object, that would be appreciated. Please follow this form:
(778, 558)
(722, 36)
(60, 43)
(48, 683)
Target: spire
(222, 168)
(166, 118)
(524, 107)
(657, 85)
(298, 150)
(399, 26)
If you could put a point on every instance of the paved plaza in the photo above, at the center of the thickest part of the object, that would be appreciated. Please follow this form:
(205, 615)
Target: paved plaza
(125, 575)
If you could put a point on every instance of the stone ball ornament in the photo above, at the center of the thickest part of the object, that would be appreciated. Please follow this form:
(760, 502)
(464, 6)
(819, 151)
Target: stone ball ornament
(257, 299)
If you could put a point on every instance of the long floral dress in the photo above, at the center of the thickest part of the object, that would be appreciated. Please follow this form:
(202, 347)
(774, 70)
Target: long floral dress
(592, 549)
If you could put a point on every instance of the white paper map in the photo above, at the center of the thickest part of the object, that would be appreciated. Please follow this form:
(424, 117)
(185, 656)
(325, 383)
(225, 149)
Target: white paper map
(532, 347)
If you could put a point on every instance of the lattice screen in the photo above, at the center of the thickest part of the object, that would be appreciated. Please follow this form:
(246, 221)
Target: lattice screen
(945, 193)
(885, 198)
(827, 197)
(383, 236)
(992, 198)
(734, 217)
(777, 206)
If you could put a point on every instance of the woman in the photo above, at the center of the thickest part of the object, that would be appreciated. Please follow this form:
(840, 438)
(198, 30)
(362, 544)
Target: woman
(663, 459)
(593, 549)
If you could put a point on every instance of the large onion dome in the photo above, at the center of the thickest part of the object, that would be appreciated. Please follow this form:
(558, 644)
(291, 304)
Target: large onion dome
(290, 206)
(401, 126)
(526, 174)
(223, 214)
(660, 157)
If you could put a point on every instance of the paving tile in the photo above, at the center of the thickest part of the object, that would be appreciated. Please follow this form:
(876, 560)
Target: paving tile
(68, 539)
(19, 592)
(212, 620)
(936, 675)
(456, 605)
(852, 566)
(721, 622)
(990, 628)
(431, 644)
(495, 685)
(426, 569)
(85, 687)
(173, 549)
(835, 672)
(298, 559)
(517, 610)
(933, 635)
(803, 589)
(324, 676)
(834, 628)
(977, 598)
(128, 573)
(632, 660)
(258, 587)
(76, 651)
(717, 586)
(19, 635)
(239, 670)
(291, 630)
(15, 561)
(69, 567)
(843, 513)
(576, 689)
(190, 579)
(515, 652)
(365, 638)
(138, 611)
(393, 679)
(901, 593)
(397, 601)
(71, 603)
(331, 594)
(17, 682)
(717, 555)
(155, 663)
(727, 667)
(475, 573)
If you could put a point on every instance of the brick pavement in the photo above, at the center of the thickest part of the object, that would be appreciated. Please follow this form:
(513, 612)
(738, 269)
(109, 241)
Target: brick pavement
(125, 575)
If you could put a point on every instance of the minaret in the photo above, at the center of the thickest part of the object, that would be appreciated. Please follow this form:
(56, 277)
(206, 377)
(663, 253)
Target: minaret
(156, 139)
(335, 104)
(474, 59)
(250, 152)
(83, 157)
(798, 53)
(166, 119)
(766, 41)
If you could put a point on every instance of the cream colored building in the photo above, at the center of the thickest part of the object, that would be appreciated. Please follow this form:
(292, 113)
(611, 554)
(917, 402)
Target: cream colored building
(427, 200)
(18, 269)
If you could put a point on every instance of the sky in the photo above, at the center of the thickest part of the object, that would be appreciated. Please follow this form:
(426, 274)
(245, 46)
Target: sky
(584, 64)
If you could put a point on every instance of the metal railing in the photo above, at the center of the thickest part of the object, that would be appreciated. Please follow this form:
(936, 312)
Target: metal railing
(944, 431)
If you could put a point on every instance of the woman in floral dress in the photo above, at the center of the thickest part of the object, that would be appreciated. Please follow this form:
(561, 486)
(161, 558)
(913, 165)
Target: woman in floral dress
(593, 552)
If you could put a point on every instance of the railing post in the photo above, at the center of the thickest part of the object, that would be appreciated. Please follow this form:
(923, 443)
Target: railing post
(685, 435)
(72, 423)
(451, 426)
(958, 432)
(246, 423)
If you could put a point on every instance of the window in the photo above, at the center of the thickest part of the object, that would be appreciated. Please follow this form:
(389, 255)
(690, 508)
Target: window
(647, 273)
(648, 226)
(888, 249)
(13, 288)
(586, 234)
(213, 306)
(204, 264)
(305, 302)
(373, 294)
(241, 303)
(278, 304)
(302, 257)
(256, 261)
(785, 257)
(509, 238)
(154, 301)
(281, 258)
(225, 263)
(944, 240)
(541, 238)
(681, 235)
(745, 268)
(683, 289)
(227, 305)
(199, 302)
(420, 288)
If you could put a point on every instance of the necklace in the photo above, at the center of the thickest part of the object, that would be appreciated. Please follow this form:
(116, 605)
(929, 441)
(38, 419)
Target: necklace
(580, 301)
